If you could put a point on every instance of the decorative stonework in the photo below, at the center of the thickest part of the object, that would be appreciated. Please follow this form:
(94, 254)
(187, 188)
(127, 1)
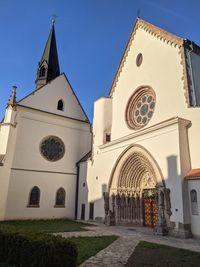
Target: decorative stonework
(135, 173)
(184, 76)
(52, 148)
(148, 181)
(140, 108)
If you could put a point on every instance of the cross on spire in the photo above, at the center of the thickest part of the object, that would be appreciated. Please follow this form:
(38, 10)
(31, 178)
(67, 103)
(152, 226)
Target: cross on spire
(53, 19)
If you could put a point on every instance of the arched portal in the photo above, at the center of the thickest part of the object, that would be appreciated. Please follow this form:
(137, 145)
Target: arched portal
(136, 190)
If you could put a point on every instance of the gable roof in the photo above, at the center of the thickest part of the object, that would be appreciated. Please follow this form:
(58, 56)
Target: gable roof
(154, 30)
(40, 88)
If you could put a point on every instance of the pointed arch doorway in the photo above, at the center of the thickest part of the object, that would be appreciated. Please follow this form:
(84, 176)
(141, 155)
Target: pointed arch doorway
(136, 192)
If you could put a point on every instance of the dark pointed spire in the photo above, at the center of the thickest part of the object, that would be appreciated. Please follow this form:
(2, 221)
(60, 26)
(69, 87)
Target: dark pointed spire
(48, 67)
(12, 99)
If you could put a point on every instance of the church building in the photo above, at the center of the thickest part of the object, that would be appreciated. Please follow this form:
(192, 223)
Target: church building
(138, 164)
(42, 137)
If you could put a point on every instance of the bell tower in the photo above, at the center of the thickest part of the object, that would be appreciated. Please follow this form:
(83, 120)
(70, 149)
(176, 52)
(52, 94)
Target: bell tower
(48, 67)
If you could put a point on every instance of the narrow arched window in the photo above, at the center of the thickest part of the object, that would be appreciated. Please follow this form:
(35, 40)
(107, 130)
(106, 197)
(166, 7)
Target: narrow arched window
(194, 204)
(60, 197)
(60, 105)
(42, 71)
(34, 198)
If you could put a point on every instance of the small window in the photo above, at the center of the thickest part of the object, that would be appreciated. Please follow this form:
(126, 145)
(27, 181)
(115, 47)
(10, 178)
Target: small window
(194, 204)
(139, 59)
(60, 197)
(42, 71)
(34, 198)
(60, 105)
(108, 137)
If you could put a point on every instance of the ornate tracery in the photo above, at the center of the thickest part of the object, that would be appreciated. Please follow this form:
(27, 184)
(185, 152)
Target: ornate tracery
(136, 181)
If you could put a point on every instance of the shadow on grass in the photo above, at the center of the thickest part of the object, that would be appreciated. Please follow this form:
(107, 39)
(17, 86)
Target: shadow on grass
(155, 255)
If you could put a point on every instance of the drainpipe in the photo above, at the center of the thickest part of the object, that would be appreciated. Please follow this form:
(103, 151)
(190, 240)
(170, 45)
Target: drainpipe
(77, 186)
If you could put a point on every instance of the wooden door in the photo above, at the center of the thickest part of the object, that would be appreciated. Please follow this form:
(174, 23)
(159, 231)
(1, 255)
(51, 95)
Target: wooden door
(83, 212)
(150, 212)
(91, 212)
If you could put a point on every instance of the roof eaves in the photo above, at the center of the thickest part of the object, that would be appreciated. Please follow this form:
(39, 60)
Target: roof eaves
(85, 158)
(193, 174)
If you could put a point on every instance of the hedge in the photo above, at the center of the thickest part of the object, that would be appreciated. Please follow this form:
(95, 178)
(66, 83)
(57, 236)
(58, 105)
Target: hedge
(36, 250)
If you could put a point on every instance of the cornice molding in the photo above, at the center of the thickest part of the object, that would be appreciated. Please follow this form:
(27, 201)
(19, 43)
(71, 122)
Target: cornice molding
(153, 128)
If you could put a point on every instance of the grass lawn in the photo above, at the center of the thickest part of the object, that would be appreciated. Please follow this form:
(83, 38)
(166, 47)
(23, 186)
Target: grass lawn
(87, 246)
(154, 255)
(90, 246)
(46, 226)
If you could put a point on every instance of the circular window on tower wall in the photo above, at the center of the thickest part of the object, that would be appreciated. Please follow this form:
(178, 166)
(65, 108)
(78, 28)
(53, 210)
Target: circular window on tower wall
(140, 107)
(52, 148)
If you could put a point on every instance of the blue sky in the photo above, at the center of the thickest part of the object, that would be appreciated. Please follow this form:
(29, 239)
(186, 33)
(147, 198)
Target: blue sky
(91, 37)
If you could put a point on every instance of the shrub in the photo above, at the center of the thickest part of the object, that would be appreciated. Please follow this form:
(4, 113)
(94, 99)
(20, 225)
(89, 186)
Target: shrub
(36, 250)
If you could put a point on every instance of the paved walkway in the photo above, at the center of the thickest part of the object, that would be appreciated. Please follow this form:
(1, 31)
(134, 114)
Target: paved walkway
(117, 253)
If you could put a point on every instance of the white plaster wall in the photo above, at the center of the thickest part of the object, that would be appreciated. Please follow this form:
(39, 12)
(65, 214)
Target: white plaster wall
(168, 159)
(6, 169)
(174, 149)
(162, 70)
(30, 168)
(83, 190)
(195, 219)
(34, 126)
(4, 134)
(102, 119)
(48, 96)
(21, 182)
(5, 127)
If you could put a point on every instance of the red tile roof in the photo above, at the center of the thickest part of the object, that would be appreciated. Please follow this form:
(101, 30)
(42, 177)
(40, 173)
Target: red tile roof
(193, 173)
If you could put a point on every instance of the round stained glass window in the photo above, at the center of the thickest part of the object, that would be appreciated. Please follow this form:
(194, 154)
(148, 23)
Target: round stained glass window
(140, 108)
(52, 148)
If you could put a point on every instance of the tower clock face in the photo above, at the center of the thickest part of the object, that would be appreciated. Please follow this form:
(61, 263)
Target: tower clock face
(52, 148)
(140, 108)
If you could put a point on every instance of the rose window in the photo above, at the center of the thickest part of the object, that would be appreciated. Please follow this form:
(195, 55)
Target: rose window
(140, 108)
(52, 148)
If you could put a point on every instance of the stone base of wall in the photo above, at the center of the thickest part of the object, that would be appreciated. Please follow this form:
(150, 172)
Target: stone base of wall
(183, 231)
(161, 230)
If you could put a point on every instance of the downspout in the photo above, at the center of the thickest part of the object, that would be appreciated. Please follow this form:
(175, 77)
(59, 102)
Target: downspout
(77, 186)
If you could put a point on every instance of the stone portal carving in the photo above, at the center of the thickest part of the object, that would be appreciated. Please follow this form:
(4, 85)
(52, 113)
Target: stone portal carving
(161, 228)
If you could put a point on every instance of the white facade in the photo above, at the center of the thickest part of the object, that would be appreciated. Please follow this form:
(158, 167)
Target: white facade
(144, 154)
(170, 139)
(33, 119)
